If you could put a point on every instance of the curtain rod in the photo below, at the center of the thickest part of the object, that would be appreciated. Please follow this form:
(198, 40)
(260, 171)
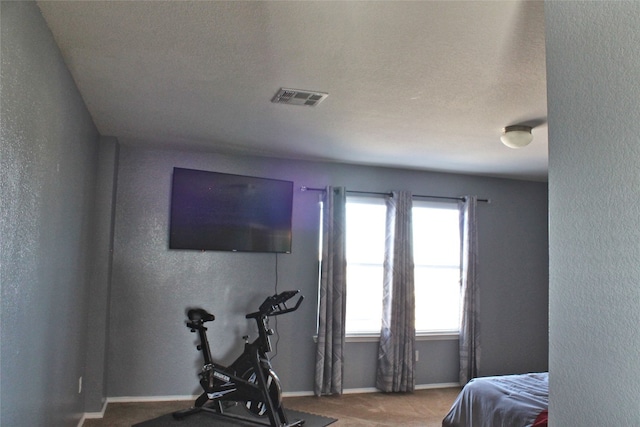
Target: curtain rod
(375, 193)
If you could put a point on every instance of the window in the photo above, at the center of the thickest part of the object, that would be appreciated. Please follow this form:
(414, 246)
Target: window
(365, 255)
(436, 255)
(436, 246)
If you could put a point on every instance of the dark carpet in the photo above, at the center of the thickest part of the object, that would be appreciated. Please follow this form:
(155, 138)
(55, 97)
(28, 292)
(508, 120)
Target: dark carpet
(207, 419)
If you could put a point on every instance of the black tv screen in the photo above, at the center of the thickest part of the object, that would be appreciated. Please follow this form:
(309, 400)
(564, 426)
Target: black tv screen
(225, 212)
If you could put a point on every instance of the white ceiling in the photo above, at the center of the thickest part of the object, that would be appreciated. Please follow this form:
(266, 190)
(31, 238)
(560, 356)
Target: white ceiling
(421, 85)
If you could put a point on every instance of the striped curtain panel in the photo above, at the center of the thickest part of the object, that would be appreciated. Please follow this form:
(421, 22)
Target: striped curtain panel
(332, 295)
(470, 322)
(396, 354)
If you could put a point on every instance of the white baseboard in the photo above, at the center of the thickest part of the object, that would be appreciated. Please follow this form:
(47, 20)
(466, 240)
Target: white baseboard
(370, 389)
(360, 390)
(347, 391)
(437, 385)
(417, 387)
(134, 399)
(93, 415)
(296, 393)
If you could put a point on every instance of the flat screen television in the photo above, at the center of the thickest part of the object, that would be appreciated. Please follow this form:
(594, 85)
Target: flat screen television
(224, 212)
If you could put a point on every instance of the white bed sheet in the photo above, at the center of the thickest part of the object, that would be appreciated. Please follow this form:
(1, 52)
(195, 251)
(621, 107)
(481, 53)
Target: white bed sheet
(500, 401)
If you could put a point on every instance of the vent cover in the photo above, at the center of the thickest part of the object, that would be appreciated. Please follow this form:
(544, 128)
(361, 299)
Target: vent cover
(299, 97)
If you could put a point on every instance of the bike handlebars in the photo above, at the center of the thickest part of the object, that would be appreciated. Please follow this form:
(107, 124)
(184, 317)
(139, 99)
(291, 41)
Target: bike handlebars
(276, 305)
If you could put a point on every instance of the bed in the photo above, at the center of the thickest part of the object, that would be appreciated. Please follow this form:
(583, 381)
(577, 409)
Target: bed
(502, 401)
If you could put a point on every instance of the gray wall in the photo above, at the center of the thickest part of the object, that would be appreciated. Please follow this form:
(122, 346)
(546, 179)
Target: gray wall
(99, 283)
(48, 158)
(593, 69)
(151, 353)
(66, 308)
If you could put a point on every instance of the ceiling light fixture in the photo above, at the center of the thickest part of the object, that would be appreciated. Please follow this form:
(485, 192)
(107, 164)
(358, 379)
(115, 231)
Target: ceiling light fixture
(516, 136)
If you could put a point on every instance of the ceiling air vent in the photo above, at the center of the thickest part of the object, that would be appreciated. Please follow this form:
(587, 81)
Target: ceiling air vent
(299, 97)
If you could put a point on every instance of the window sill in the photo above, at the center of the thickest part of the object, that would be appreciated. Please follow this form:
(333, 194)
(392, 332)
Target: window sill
(430, 336)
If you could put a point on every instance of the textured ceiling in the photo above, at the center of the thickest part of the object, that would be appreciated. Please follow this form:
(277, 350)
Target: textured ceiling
(420, 85)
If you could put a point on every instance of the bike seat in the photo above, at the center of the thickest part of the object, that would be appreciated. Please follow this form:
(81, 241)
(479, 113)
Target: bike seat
(200, 315)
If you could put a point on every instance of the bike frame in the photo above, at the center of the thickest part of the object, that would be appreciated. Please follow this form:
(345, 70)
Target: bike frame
(221, 383)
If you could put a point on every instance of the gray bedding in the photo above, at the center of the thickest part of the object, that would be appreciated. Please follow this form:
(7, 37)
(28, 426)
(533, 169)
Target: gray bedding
(500, 401)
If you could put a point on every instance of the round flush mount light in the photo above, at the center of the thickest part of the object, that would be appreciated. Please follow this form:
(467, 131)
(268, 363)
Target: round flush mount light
(516, 136)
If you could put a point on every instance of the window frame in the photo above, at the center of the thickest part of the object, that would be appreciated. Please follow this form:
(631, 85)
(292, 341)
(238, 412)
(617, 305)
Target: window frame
(423, 335)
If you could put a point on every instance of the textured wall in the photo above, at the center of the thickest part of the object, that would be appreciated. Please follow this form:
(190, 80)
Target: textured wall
(151, 353)
(593, 60)
(99, 283)
(48, 156)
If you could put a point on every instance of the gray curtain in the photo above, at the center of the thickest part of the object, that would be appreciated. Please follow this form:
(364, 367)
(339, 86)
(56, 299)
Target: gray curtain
(470, 322)
(332, 294)
(396, 354)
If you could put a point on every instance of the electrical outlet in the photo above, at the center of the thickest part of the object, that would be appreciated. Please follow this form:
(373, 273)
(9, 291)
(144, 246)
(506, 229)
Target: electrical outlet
(80, 384)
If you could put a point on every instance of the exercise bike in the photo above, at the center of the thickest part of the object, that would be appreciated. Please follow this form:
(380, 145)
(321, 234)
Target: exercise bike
(249, 380)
